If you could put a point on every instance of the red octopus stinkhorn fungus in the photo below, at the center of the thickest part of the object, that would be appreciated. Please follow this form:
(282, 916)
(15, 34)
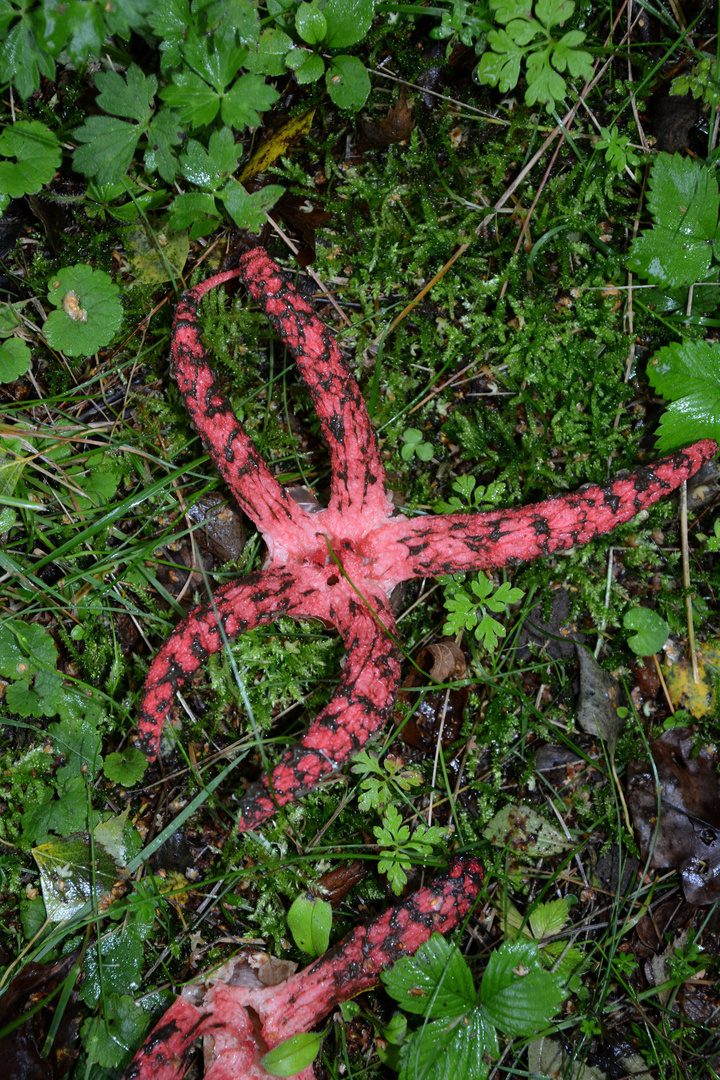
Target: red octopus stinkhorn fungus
(338, 565)
(341, 564)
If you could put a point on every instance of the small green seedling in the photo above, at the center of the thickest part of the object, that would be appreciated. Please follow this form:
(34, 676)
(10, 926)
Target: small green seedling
(532, 39)
(400, 849)
(468, 609)
(414, 445)
(334, 24)
(618, 153)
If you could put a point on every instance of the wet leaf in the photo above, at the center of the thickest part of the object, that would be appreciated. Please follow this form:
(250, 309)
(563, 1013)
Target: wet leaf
(156, 257)
(686, 833)
(525, 833)
(278, 144)
(309, 920)
(293, 1055)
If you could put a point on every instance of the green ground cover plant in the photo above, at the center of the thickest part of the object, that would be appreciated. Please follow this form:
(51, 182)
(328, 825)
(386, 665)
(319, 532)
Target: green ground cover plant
(523, 274)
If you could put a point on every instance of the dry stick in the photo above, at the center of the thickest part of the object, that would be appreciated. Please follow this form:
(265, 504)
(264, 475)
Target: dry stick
(686, 581)
(661, 677)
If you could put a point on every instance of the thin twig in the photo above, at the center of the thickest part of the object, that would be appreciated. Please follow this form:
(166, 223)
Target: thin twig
(686, 581)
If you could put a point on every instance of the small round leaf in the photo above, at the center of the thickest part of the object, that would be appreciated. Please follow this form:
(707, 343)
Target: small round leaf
(310, 23)
(348, 82)
(89, 312)
(125, 768)
(652, 630)
(14, 360)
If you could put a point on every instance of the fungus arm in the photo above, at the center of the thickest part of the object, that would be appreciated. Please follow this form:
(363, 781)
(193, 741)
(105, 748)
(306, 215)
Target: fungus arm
(358, 478)
(361, 705)
(453, 543)
(257, 491)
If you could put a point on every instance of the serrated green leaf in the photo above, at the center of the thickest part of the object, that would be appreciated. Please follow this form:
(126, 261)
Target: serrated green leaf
(23, 59)
(196, 102)
(249, 211)
(37, 152)
(162, 136)
(553, 12)
(194, 210)
(122, 961)
(309, 920)
(109, 145)
(126, 767)
(516, 993)
(131, 97)
(267, 57)
(651, 630)
(501, 67)
(348, 82)
(293, 1055)
(170, 20)
(544, 85)
(435, 982)
(63, 815)
(685, 202)
(687, 374)
(24, 648)
(209, 169)
(249, 96)
(348, 21)
(549, 918)
(77, 739)
(15, 357)
(450, 1049)
(217, 58)
(669, 257)
(90, 313)
(110, 1040)
(40, 699)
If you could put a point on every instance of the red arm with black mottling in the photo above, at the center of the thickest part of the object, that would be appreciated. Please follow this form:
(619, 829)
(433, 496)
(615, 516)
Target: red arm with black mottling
(428, 546)
(243, 1024)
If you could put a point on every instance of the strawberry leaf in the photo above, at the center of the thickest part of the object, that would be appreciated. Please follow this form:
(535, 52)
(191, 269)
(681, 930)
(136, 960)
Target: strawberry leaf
(687, 374)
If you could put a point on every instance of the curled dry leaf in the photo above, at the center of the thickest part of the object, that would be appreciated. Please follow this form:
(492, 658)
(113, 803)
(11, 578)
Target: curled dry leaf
(439, 713)
(686, 835)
